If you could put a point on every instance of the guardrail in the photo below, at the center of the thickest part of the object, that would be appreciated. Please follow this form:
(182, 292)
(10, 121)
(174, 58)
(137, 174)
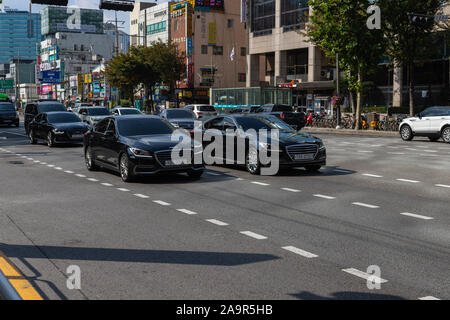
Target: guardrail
(7, 291)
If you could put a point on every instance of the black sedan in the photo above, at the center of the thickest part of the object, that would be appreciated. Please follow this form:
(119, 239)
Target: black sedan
(295, 149)
(57, 127)
(138, 145)
(8, 114)
(179, 118)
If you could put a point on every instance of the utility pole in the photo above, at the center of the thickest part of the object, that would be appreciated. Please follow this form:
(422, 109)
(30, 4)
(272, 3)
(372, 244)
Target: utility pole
(18, 79)
(117, 36)
(338, 107)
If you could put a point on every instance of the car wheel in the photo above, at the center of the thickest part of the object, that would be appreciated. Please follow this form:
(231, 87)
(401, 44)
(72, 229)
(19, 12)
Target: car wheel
(125, 169)
(434, 139)
(89, 160)
(252, 163)
(406, 133)
(50, 140)
(33, 140)
(446, 134)
(313, 168)
(195, 174)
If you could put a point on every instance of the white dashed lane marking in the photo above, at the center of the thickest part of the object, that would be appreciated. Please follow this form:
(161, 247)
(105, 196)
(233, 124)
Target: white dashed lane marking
(429, 298)
(142, 196)
(253, 235)
(418, 216)
(261, 183)
(324, 196)
(107, 184)
(189, 212)
(80, 175)
(162, 203)
(300, 252)
(408, 181)
(364, 275)
(372, 175)
(68, 171)
(92, 180)
(123, 189)
(365, 205)
(218, 222)
(290, 190)
(442, 186)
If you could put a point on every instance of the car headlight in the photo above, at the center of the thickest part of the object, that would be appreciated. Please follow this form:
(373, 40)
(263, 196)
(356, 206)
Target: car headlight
(321, 145)
(140, 153)
(56, 131)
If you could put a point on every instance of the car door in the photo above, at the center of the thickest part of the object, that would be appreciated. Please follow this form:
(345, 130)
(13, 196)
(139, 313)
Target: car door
(229, 140)
(96, 143)
(44, 126)
(111, 144)
(214, 124)
(438, 117)
(422, 124)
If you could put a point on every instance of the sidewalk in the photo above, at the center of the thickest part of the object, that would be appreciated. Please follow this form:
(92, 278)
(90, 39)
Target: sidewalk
(350, 132)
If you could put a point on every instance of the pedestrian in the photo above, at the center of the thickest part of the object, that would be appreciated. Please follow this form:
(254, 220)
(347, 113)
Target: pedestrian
(310, 119)
(389, 110)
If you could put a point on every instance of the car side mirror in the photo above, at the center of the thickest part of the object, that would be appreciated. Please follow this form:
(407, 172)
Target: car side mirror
(420, 115)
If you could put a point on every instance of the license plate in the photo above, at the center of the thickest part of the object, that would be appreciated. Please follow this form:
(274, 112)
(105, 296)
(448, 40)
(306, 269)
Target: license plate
(307, 156)
(77, 136)
(169, 163)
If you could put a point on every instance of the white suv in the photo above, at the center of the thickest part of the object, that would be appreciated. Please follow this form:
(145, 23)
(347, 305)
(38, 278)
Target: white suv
(433, 122)
(202, 111)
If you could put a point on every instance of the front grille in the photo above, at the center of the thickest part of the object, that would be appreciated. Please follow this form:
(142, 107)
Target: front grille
(163, 156)
(302, 149)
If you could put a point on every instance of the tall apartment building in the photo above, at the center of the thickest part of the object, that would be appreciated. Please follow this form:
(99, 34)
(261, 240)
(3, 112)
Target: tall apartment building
(123, 38)
(280, 56)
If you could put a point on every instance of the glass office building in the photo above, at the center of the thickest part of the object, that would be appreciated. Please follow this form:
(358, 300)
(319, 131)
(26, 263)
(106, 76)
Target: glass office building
(19, 33)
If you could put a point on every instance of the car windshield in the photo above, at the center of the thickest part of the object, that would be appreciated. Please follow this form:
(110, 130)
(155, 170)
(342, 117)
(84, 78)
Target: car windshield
(129, 111)
(7, 107)
(143, 127)
(207, 109)
(275, 123)
(51, 107)
(179, 114)
(247, 123)
(98, 112)
(62, 118)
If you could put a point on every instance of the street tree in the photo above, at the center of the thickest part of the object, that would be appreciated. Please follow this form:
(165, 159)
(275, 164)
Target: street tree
(408, 41)
(339, 27)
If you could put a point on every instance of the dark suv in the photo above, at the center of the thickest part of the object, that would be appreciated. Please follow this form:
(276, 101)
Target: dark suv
(285, 113)
(33, 109)
(8, 114)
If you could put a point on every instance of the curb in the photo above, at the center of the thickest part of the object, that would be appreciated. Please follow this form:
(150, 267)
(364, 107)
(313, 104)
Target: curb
(13, 284)
(353, 132)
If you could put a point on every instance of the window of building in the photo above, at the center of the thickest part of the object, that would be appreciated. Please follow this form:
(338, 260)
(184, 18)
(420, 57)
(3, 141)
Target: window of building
(175, 25)
(204, 49)
(263, 17)
(242, 77)
(230, 23)
(243, 51)
(82, 47)
(218, 50)
(75, 47)
(294, 14)
(156, 28)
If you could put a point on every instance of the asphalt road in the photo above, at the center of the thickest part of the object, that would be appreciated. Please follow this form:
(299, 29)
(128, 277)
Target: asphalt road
(380, 204)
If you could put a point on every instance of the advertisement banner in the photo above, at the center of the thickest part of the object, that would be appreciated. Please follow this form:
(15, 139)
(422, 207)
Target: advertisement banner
(53, 77)
(212, 33)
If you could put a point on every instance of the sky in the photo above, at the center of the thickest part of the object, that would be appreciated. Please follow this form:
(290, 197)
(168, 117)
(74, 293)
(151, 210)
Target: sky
(89, 4)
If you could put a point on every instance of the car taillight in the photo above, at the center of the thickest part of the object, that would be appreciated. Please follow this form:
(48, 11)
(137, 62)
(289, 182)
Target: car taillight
(85, 134)
(200, 113)
(282, 116)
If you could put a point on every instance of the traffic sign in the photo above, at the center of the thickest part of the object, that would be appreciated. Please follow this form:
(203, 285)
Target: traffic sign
(7, 84)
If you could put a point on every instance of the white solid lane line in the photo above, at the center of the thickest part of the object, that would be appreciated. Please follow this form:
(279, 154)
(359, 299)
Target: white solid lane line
(418, 216)
(365, 205)
(162, 203)
(143, 196)
(407, 180)
(442, 185)
(218, 222)
(189, 212)
(261, 183)
(290, 190)
(372, 175)
(300, 252)
(107, 184)
(324, 196)
(429, 298)
(364, 275)
(123, 189)
(253, 235)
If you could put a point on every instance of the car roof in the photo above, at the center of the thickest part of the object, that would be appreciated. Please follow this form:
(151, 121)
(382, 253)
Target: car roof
(57, 112)
(137, 117)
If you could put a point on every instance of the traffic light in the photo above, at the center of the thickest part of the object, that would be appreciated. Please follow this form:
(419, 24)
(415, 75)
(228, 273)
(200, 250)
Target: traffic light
(117, 5)
(421, 20)
(51, 2)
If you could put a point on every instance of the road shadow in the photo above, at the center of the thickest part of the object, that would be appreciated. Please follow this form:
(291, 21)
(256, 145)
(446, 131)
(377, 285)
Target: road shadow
(135, 255)
(346, 295)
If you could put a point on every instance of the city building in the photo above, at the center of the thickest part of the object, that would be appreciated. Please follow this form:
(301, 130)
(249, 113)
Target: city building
(71, 50)
(19, 33)
(280, 56)
(137, 23)
(123, 38)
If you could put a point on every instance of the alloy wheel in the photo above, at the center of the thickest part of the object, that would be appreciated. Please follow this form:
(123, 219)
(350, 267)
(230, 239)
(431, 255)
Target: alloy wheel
(446, 135)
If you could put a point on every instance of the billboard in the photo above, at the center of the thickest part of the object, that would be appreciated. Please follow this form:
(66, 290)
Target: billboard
(53, 77)
(70, 19)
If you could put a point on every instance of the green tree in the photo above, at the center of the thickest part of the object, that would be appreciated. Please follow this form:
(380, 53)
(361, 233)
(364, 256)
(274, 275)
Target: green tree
(408, 42)
(120, 72)
(339, 27)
